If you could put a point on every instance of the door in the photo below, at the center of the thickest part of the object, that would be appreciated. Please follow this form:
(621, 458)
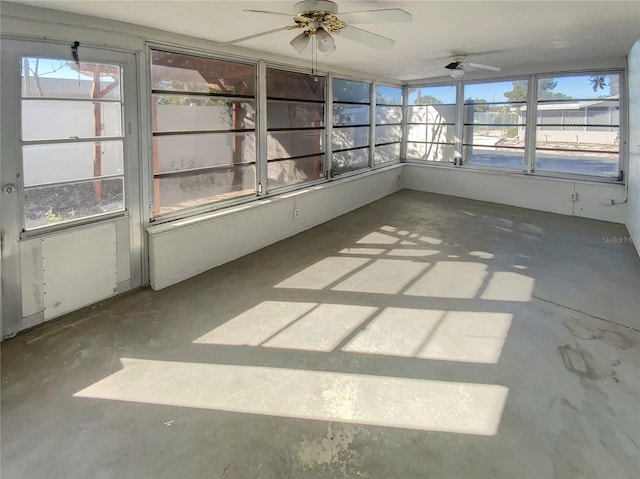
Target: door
(71, 215)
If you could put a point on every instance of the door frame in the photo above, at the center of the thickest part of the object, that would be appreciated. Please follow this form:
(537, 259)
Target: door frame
(11, 211)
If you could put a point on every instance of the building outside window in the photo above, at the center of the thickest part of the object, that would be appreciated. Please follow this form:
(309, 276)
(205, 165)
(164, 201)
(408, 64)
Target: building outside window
(431, 123)
(494, 125)
(578, 125)
(388, 124)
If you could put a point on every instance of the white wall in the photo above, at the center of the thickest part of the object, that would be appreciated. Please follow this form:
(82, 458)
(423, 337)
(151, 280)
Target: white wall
(182, 249)
(633, 176)
(545, 194)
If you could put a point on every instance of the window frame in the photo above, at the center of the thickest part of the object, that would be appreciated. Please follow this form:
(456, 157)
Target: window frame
(374, 94)
(99, 57)
(210, 206)
(370, 147)
(464, 144)
(531, 125)
(263, 130)
(622, 131)
(455, 124)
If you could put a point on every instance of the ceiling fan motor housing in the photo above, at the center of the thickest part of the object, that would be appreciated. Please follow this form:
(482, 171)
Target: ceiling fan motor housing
(455, 62)
(315, 6)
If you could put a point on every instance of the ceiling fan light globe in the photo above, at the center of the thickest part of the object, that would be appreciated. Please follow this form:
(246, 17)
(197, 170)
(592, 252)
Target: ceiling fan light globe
(300, 42)
(457, 73)
(326, 43)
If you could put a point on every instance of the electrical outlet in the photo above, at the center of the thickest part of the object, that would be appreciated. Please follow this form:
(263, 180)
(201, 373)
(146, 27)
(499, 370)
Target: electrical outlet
(574, 196)
(296, 212)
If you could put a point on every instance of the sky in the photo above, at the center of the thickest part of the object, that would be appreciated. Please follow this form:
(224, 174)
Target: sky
(576, 86)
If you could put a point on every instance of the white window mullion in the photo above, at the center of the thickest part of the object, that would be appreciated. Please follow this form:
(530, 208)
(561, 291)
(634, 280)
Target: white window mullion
(261, 131)
(531, 126)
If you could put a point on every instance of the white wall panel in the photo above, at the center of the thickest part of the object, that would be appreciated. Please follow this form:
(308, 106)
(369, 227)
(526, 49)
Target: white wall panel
(544, 194)
(79, 268)
(182, 249)
(633, 176)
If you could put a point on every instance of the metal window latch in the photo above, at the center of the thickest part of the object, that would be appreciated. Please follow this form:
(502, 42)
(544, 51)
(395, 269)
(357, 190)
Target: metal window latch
(9, 189)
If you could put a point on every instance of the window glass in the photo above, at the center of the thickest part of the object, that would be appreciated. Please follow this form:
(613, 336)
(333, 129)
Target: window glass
(436, 152)
(290, 144)
(432, 95)
(285, 172)
(387, 153)
(496, 92)
(494, 130)
(347, 138)
(388, 134)
(74, 119)
(295, 128)
(189, 73)
(350, 160)
(431, 120)
(54, 163)
(345, 114)
(56, 78)
(181, 153)
(388, 115)
(67, 174)
(388, 130)
(188, 113)
(351, 91)
(291, 114)
(432, 114)
(295, 86)
(351, 131)
(203, 117)
(388, 95)
(578, 125)
(60, 203)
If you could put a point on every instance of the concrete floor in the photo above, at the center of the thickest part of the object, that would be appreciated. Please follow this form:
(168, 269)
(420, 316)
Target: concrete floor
(419, 336)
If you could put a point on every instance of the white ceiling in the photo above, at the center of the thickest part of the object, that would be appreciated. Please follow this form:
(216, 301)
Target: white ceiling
(514, 35)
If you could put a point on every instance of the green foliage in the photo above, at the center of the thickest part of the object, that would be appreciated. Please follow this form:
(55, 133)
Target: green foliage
(545, 91)
(600, 82)
(478, 104)
(428, 100)
(519, 92)
(52, 217)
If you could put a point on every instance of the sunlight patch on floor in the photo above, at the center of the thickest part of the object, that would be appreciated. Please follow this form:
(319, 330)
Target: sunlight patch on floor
(323, 273)
(466, 336)
(450, 279)
(456, 407)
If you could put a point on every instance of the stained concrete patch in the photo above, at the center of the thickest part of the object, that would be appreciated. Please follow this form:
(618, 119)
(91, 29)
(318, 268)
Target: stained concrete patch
(577, 361)
(582, 330)
(334, 452)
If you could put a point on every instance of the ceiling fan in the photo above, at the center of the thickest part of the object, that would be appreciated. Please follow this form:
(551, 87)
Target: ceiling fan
(457, 63)
(319, 20)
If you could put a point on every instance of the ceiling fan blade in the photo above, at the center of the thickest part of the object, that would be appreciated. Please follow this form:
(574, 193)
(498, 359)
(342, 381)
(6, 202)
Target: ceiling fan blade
(484, 67)
(436, 72)
(390, 15)
(269, 32)
(269, 13)
(366, 38)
